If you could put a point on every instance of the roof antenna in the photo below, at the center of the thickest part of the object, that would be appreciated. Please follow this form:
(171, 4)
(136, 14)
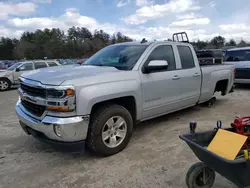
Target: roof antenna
(144, 40)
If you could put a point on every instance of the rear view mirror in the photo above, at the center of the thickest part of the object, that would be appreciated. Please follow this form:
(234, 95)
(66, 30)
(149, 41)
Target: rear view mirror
(17, 69)
(156, 65)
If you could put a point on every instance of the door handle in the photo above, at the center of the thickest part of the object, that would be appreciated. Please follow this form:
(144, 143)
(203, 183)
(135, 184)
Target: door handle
(196, 74)
(176, 77)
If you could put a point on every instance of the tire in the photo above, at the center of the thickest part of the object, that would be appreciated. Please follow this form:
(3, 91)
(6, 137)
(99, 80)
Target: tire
(98, 124)
(195, 173)
(5, 84)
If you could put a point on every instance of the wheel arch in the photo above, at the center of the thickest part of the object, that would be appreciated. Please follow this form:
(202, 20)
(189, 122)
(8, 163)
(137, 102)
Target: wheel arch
(128, 102)
(221, 86)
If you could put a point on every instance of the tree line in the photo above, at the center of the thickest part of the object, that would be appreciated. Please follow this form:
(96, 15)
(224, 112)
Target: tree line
(55, 43)
(219, 42)
(78, 43)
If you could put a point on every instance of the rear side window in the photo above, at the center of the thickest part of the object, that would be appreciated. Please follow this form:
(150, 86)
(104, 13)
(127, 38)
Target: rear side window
(39, 65)
(164, 52)
(186, 56)
(52, 64)
(237, 55)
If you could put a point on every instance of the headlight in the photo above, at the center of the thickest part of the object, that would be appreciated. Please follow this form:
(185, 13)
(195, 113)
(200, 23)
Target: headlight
(53, 93)
(61, 98)
(60, 92)
(70, 92)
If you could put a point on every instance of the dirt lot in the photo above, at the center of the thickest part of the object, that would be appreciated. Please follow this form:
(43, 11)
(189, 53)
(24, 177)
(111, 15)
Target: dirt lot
(155, 157)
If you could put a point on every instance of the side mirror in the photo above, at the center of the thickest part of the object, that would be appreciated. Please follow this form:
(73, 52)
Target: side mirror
(156, 65)
(17, 70)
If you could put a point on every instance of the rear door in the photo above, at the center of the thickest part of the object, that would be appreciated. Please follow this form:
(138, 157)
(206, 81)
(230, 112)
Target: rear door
(190, 74)
(40, 64)
(160, 89)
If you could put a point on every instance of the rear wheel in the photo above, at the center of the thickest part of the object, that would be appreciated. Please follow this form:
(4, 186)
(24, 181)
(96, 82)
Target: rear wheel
(4, 84)
(200, 176)
(110, 130)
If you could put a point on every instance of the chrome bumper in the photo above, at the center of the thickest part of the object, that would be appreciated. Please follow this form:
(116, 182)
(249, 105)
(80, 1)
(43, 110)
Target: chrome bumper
(72, 129)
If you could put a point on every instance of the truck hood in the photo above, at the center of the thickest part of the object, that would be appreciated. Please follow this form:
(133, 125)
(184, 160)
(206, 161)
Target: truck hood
(57, 75)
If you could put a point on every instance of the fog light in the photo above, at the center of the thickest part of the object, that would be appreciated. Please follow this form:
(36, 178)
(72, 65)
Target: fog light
(57, 130)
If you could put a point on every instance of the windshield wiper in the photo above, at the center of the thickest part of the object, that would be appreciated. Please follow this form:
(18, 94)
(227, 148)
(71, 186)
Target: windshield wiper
(100, 65)
(103, 65)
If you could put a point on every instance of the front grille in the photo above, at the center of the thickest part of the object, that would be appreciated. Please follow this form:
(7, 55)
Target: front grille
(34, 109)
(242, 74)
(33, 91)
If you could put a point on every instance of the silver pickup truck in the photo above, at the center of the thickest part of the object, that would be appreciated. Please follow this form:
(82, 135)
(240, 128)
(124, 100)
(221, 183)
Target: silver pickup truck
(99, 102)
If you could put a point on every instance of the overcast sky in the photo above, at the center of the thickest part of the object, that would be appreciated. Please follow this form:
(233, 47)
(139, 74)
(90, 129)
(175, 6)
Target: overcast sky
(151, 19)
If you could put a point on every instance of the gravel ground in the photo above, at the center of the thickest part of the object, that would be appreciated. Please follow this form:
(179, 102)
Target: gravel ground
(155, 156)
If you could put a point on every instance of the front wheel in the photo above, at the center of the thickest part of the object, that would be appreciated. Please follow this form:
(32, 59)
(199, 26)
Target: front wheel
(200, 176)
(110, 130)
(4, 84)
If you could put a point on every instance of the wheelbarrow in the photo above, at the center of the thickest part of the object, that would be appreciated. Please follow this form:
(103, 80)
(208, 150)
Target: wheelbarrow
(202, 174)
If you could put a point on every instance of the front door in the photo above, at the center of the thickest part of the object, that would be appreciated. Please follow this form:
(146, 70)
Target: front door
(22, 69)
(161, 89)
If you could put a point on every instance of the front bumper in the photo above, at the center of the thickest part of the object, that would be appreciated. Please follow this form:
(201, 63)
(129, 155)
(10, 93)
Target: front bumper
(73, 129)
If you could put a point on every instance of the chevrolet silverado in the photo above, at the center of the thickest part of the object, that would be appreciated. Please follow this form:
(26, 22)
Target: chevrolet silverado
(99, 102)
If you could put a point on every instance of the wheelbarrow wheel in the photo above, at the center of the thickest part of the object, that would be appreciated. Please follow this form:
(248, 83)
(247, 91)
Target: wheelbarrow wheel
(200, 176)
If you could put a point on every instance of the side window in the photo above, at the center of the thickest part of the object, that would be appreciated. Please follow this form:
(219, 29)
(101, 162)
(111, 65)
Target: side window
(163, 52)
(26, 67)
(39, 65)
(51, 64)
(186, 56)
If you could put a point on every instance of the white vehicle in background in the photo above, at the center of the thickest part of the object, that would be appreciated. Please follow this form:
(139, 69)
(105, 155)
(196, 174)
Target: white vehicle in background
(10, 76)
(240, 58)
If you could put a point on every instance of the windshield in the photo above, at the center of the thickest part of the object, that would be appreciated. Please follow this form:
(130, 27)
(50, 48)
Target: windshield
(14, 66)
(239, 55)
(122, 57)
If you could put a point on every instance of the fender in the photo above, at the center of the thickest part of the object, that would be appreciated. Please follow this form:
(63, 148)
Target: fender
(211, 77)
(90, 95)
(10, 77)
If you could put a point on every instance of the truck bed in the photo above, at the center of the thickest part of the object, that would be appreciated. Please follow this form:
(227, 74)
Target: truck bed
(216, 67)
(211, 75)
